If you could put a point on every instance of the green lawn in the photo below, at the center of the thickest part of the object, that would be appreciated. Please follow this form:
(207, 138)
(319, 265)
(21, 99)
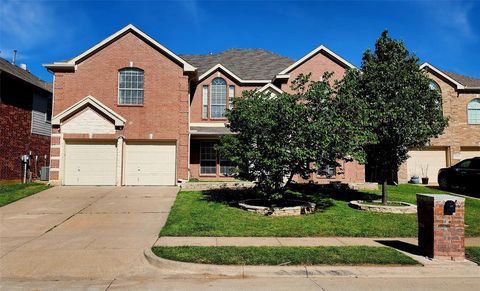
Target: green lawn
(208, 213)
(473, 254)
(12, 192)
(348, 255)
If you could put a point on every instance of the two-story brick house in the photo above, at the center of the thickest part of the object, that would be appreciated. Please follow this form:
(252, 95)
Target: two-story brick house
(25, 115)
(461, 139)
(129, 111)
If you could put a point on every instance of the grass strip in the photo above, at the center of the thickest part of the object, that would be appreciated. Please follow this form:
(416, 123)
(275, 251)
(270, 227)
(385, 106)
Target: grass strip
(12, 192)
(198, 213)
(473, 254)
(229, 255)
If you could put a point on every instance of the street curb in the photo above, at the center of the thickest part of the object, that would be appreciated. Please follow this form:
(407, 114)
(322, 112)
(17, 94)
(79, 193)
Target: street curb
(176, 267)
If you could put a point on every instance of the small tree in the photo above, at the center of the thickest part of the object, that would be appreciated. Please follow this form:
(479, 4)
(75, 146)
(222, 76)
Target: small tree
(279, 137)
(407, 112)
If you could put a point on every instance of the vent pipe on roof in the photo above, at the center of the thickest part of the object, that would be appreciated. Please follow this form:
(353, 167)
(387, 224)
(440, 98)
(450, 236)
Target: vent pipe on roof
(14, 57)
(23, 66)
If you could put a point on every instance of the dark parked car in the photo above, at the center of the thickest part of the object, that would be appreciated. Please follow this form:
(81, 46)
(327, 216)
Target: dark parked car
(464, 175)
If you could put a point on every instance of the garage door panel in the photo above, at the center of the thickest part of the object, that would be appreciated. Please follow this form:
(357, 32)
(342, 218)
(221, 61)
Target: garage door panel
(150, 164)
(90, 164)
(468, 154)
(433, 159)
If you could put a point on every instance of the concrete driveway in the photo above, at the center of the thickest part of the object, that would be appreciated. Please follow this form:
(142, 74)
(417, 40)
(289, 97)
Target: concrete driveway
(82, 232)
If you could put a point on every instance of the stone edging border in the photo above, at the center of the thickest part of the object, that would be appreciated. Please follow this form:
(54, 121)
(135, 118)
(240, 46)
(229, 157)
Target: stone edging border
(181, 268)
(407, 208)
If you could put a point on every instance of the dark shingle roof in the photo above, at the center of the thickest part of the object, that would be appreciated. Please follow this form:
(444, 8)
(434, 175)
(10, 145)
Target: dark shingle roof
(248, 64)
(464, 80)
(7, 67)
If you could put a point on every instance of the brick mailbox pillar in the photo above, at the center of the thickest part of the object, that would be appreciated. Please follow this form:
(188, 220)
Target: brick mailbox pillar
(441, 230)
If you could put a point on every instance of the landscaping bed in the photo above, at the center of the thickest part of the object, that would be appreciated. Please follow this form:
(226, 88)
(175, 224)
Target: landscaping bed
(214, 213)
(348, 255)
(473, 254)
(12, 192)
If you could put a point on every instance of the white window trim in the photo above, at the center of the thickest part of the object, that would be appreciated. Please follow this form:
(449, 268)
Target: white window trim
(472, 109)
(131, 89)
(211, 99)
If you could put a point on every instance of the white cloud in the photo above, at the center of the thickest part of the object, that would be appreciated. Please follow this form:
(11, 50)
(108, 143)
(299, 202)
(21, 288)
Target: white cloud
(24, 23)
(453, 17)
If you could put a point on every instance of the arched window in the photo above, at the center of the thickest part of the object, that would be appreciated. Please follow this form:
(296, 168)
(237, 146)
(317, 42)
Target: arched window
(473, 111)
(130, 86)
(218, 98)
(434, 86)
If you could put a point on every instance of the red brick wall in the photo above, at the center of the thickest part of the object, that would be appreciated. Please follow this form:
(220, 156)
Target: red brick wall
(164, 114)
(16, 138)
(459, 134)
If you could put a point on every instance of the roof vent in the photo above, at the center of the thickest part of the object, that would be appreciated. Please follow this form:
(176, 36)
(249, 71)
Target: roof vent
(23, 66)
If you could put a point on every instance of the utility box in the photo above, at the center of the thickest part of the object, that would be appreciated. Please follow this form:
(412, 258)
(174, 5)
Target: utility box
(441, 228)
(44, 173)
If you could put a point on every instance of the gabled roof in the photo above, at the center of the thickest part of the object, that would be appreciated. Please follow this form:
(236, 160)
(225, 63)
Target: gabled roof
(441, 73)
(11, 69)
(319, 49)
(468, 82)
(93, 102)
(246, 64)
(70, 64)
(271, 86)
(230, 73)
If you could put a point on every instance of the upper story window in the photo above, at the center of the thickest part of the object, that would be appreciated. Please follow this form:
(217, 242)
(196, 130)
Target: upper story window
(218, 98)
(434, 86)
(473, 111)
(130, 86)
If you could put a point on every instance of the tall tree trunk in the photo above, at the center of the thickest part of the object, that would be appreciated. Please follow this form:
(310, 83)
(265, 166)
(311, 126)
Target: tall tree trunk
(384, 191)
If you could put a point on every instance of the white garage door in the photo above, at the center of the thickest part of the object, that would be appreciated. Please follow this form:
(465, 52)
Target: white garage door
(90, 163)
(468, 154)
(150, 164)
(431, 159)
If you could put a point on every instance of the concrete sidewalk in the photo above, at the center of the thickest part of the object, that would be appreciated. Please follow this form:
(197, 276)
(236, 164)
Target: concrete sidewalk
(292, 241)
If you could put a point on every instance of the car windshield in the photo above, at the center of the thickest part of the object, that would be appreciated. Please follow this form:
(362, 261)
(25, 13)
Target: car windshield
(464, 164)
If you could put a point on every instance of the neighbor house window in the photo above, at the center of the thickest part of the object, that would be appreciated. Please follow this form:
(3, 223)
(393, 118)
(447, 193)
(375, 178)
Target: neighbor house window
(48, 115)
(326, 170)
(219, 98)
(434, 86)
(130, 86)
(473, 111)
(208, 158)
(205, 101)
(231, 95)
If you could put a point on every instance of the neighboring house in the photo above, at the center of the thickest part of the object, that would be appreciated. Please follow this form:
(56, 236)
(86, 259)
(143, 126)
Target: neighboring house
(461, 139)
(25, 116)
(128, 111)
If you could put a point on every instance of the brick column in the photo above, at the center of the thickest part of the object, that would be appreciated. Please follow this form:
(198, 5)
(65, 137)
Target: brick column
(441, 230)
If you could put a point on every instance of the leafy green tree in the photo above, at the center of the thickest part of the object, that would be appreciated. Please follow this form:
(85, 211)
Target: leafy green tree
(407, 112)
(279, 137)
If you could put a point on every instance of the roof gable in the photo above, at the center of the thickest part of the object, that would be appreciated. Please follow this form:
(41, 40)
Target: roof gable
(311, 54)
(442, 74)
(94, 103)
(70, 64)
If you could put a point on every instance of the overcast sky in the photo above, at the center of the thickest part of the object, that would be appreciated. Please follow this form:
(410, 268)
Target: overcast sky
(445, 33)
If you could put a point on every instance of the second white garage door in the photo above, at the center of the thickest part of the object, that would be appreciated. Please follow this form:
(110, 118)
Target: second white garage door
(468, 153)
(433, 159)
(150, 164)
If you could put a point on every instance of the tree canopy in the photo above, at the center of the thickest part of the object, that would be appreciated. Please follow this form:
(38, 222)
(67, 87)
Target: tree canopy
(291, 134)
(407, 111)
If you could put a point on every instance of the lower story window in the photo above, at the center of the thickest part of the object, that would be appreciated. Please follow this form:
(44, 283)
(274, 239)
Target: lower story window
(326, 170)
(208, 158)
(226, 167)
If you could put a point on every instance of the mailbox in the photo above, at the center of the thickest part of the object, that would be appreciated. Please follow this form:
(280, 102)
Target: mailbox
(449, 207)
